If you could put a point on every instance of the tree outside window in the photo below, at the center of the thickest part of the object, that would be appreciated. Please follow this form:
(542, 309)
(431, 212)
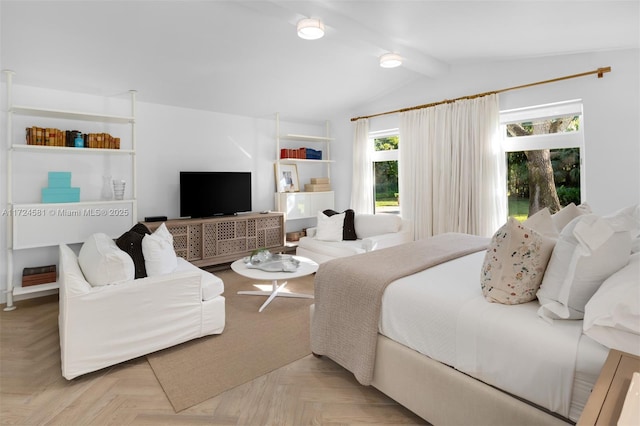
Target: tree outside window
(543, 159)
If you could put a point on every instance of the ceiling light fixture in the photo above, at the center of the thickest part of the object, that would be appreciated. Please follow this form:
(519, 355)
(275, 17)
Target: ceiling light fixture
(390, 60)
(310, 29)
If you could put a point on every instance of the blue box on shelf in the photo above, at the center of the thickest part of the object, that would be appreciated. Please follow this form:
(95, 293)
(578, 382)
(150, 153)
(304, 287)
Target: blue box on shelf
(59, 180)
(60, 195)
(313, 154)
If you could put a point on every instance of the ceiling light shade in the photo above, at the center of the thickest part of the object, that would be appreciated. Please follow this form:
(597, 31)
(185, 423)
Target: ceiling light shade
(390, 60)
(310, 29)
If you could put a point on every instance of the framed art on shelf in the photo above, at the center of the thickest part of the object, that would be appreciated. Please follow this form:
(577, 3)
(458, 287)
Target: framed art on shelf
(287, 178)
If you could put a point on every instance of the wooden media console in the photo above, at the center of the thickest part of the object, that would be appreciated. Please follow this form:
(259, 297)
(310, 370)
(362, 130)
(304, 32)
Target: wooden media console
(216, 240)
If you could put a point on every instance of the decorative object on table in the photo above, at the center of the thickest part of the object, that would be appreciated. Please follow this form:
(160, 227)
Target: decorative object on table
(38, 275)
(107, 188)
(287, 178)
(118, 188)
(59, 189)
(268, 262)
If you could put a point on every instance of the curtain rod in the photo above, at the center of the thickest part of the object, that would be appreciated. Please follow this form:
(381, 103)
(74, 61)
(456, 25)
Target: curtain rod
(600, 72)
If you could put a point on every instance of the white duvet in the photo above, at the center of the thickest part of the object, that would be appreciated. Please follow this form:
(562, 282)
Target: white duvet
(441, 313)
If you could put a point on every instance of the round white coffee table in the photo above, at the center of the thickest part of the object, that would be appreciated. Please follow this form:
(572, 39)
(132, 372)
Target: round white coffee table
(307, 267)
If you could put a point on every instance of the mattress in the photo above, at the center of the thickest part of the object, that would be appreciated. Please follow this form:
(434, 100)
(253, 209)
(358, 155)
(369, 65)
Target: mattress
(441, 313)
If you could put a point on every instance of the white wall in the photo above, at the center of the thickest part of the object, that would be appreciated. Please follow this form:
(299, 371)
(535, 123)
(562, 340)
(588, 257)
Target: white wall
(168, 140)
(611, 111)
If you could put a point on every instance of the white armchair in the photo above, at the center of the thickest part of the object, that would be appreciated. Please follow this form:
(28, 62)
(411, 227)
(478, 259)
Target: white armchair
(374, 232)
(108, 324)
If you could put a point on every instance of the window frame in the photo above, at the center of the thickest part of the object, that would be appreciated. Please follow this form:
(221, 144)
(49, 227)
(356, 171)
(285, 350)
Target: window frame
(385, 155)
(574, 139)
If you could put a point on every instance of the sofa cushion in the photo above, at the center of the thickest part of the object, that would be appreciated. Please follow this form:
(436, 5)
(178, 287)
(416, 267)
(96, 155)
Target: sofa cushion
(330, 227)
(159, 256)
(131, 243)
(589, 250)
(102, 262)
(348, 226)
(369, 225)
(332, 248)
(212, 286)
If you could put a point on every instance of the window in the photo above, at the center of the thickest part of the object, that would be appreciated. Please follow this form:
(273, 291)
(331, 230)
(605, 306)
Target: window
(385, 171)
(543, 147)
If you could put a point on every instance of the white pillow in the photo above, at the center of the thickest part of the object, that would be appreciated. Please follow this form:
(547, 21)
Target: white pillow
(634, 213)
(612, 315)
(568, 213)
(330, 227)
(542, 222)
(588, 251)
(370, 225)
(514, 263)
(157, 249)
(102, 262)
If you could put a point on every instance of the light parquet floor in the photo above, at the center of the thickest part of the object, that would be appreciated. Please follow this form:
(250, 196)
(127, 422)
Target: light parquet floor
(310, 391)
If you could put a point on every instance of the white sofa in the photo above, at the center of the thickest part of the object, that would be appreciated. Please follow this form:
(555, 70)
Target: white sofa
(374, 232)
(108, 324)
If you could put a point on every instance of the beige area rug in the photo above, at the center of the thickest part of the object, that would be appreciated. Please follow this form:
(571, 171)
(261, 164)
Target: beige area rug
(251, 345)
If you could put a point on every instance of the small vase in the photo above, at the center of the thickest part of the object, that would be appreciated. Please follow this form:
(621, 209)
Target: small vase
(107, 189)
(118, 188)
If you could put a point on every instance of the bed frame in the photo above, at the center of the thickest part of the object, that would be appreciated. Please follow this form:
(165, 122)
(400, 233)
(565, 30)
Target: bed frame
(443, 395)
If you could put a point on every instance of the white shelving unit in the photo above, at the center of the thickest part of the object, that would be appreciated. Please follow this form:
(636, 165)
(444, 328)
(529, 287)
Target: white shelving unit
(50, 224)
(303, 205)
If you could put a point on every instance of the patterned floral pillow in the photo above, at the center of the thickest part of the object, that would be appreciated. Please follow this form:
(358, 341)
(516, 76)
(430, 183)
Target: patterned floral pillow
(515, 263)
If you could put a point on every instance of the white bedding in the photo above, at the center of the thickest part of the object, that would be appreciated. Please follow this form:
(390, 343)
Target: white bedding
(508, 346)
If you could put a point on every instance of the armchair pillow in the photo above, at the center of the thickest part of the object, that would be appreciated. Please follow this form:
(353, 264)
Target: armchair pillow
(102, 262)
(131, 243)
(330, 227)
(159, 256)
(348, 226)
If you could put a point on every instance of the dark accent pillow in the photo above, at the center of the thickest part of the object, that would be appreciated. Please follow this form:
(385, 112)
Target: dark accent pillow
(141, 228)
(349, 226)
(131, 243)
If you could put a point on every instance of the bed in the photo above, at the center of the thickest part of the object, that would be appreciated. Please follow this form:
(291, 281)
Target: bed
(439, 347)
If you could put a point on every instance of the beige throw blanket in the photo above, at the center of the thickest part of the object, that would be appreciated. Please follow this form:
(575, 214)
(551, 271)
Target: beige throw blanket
(348, 295)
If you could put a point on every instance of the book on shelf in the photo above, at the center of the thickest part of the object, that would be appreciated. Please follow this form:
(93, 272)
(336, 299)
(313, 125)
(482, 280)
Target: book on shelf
(56, 137)
(38, 270)
(313, 154)
(38, 275)
(302, 153)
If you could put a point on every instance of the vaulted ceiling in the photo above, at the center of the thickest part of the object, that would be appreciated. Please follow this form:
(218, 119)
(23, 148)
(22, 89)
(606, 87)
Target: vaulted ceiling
(244, 57)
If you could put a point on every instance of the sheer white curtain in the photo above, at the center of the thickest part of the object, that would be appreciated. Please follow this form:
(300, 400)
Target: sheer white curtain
(452, 171)
(362, 180)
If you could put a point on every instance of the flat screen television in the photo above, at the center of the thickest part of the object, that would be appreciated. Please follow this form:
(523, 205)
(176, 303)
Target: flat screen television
(206, 194)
